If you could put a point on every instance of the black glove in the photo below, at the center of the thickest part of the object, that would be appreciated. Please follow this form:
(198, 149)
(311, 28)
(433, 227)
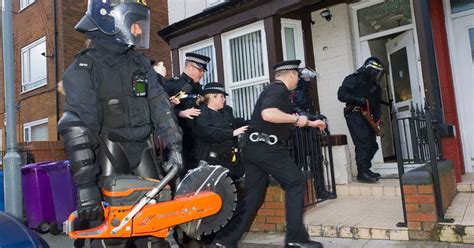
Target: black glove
(89, 205)
(175, 158)
(358, 100)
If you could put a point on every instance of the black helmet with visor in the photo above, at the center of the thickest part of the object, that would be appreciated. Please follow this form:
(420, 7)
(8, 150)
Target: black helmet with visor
(373, 68)
(127, 20)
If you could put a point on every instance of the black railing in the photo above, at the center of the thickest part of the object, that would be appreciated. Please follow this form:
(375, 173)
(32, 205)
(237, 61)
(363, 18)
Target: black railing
(417, 141)
(312, 151)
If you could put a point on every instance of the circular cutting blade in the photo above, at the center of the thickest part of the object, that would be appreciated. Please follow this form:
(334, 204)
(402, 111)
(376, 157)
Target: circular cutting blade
(209, 178)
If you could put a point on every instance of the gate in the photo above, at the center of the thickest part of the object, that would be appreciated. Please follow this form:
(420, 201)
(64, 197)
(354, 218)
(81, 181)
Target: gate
(312, 151)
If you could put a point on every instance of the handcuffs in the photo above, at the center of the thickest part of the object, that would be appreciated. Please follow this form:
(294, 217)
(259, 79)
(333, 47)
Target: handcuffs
(263, 137)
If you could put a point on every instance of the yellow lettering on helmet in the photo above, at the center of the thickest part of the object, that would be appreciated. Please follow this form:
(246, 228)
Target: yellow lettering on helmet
(142, 2)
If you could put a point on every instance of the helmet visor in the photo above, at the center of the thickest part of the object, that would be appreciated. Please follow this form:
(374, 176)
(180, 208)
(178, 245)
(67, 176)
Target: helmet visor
(132, 24)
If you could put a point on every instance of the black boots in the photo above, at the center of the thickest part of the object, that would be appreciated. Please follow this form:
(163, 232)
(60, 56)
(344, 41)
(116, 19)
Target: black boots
(366, 177)
(374, 174)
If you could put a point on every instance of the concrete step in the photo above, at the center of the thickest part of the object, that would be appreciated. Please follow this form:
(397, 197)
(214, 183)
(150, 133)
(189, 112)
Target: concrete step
(462, 229)
(384, 187)
(467, 183)
(357, 217)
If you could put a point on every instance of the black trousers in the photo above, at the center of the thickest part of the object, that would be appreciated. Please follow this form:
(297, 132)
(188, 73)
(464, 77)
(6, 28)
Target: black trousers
(261, 160)
(364, 140)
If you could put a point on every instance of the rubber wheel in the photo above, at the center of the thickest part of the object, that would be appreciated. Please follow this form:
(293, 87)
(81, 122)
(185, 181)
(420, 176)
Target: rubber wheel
(43, 227)
(54, 229)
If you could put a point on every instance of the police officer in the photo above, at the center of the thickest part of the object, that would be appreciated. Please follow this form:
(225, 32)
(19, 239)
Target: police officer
(114, 102)
(216, 131)
(187, 109)
(357, 89)
(266, 154)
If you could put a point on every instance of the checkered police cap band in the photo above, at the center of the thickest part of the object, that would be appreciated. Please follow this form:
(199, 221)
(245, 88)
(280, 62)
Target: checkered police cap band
(286, 67)
(215, 88)
(196, 60)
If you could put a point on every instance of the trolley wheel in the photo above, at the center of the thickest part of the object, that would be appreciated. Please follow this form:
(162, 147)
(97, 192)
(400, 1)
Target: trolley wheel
(55, 229)
(43, 227)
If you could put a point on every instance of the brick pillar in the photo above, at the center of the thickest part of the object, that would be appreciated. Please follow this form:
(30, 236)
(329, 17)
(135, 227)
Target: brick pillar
(271, 215)
(421, 211)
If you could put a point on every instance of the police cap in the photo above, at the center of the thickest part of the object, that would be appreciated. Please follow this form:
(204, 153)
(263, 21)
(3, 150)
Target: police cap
(213, 88)
(287, 65)
(199, 59)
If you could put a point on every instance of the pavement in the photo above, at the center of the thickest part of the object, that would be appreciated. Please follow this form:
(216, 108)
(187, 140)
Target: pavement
(276, 240)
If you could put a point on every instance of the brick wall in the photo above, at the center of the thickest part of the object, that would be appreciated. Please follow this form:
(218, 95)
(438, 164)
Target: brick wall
(420, 202)
(44, 150)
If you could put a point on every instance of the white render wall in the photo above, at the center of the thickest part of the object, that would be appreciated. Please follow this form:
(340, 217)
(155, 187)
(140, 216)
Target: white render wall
(182, 9)
(334, 60)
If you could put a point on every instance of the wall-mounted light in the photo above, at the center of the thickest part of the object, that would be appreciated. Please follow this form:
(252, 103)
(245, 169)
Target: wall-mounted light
(326, 14)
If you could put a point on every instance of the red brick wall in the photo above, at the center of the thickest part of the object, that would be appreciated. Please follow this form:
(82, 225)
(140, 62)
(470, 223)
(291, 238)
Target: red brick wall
(452, 148)
(44, 150)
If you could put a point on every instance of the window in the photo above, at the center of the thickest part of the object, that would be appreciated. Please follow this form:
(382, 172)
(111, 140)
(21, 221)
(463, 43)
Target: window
(384, 16)
(36, 130)
(33, 65)
(292, 40)
(461, 5)
(245, 67)
(206, 48)
(25, 3)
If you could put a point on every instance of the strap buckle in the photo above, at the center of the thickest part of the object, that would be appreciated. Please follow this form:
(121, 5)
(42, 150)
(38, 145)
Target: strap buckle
(263, 137)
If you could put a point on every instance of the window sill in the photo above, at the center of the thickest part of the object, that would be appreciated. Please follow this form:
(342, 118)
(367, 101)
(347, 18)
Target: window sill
(34, 88)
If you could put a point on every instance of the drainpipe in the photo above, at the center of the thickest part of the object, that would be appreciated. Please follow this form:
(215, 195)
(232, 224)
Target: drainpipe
(56, 76)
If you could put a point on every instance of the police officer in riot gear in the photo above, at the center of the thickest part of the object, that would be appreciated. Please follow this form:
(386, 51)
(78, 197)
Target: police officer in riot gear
(356, 91)
(266, 154)
(187, 109)
(114, 103)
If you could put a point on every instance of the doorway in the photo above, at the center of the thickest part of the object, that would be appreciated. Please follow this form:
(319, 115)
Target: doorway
(463, 68)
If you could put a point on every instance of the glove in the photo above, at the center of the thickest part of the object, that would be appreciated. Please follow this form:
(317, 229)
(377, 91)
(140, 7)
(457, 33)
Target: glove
(89, 203)
(175, 158)
(359, 100)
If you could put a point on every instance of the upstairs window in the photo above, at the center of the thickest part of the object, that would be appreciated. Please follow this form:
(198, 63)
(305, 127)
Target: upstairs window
(33, 65)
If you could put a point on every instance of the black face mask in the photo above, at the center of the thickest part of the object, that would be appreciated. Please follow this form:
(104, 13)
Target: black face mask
(373, 74)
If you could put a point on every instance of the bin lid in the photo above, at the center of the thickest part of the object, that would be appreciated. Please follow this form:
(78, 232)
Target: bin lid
(46, 165)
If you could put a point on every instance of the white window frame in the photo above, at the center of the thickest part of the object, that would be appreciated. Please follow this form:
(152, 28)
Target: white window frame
(25, 65)
(194, 47)
(27, 127)
(25, 3)
(226, 37)
(298, 36)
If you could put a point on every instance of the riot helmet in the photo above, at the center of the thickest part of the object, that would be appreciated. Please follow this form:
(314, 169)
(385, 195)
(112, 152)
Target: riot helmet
(307, 74)
(127, 20)
(373, 68)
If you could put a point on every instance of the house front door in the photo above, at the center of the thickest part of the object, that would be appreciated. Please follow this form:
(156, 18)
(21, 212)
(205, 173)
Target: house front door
(404, 82)
(464, 76)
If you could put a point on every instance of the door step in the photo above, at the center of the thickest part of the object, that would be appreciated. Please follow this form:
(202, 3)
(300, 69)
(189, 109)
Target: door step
(467, 184)
(462, 229)
(357, 217)
(384, 187)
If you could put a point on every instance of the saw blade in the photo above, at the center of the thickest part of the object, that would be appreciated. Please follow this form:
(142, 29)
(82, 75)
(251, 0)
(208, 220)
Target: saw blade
(209, 178)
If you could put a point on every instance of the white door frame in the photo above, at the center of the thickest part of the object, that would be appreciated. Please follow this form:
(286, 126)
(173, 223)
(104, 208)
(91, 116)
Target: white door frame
(363, 51)
(458, 86)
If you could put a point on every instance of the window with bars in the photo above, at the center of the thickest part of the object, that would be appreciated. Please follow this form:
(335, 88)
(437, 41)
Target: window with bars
(33, 65)
(245, 67)
(36, 130)
(204, 48)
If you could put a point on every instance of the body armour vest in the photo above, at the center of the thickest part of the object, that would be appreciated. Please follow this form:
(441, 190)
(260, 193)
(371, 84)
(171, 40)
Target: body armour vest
(123, 107)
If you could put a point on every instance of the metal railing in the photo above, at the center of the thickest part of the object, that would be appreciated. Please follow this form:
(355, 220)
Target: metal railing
(417, 141)
(27, 157)
(312, 151)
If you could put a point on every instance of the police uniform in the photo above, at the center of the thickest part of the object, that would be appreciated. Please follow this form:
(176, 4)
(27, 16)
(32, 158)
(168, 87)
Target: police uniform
(114, 102)
(267, 154)
(214, 139)
(355, 89)
(192, 89)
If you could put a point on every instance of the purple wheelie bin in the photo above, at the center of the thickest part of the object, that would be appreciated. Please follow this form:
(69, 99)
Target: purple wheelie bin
(39, 207)
(63, 191)
(49, 195)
